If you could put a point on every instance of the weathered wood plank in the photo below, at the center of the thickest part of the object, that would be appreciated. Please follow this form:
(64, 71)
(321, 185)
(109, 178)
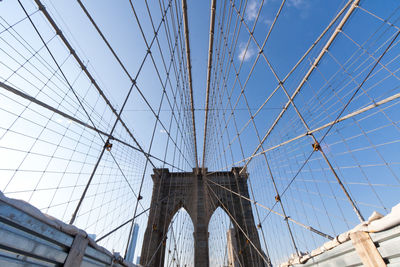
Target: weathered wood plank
(366, 249)
(77, 251)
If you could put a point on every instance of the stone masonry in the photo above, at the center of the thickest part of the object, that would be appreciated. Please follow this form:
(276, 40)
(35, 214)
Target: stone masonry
(189, 190)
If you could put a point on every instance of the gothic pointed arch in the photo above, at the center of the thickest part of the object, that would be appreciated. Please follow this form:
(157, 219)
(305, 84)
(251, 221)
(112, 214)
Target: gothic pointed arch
(200, 194)
(179, 245)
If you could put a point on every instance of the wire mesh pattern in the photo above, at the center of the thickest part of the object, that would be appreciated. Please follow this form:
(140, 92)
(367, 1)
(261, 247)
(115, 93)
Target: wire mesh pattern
(69, 144)
(320, 140)
(318, 135)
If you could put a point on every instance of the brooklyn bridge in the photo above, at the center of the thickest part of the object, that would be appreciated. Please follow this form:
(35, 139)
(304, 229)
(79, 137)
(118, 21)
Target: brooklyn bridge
(189, 133)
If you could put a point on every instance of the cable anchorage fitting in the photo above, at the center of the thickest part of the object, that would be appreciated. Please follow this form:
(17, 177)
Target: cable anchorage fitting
(108, 145)
(316, 146)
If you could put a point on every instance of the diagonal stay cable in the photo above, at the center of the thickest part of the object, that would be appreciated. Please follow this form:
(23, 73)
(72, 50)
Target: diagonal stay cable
(74, 119)
(242, 93)
(328, 124)
(275, 212)
(307, 75)
(10, 26)
(179, 67)
(237, 224)
(337, 118)
(123, 224)
(148, 46)
(91, 78)
(89, 117)
(163, 94)
(328, 43)
(333, 21)
(100, 158)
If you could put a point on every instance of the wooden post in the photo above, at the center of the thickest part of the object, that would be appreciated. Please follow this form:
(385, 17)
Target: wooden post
(366, 249)
(77, 251)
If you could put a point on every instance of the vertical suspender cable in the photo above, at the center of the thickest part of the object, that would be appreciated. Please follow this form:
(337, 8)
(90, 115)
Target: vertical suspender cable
(307, 75)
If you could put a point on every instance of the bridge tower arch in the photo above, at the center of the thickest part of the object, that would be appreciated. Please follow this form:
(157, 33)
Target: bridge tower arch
(200, 194)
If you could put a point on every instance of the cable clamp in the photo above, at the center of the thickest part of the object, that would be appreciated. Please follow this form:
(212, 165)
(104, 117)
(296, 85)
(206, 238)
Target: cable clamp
(108, 146)
(316, 146)
(277, 198)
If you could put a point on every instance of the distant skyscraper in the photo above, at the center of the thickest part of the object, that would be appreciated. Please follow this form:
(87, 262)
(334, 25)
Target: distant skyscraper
(232, 248)
(132, 243)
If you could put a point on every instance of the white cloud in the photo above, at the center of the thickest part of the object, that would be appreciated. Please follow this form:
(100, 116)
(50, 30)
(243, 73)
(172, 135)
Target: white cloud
(252, 10)
(296, 3)
(245, 54)
(301, 5)
(268, 22)
(163, 131)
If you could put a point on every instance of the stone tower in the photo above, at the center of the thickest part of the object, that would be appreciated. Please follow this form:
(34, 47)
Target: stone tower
(200, 195)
